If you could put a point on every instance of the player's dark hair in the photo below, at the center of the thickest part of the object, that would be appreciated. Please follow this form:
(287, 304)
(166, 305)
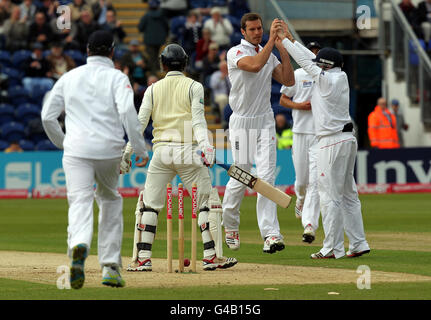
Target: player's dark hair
(251, 16)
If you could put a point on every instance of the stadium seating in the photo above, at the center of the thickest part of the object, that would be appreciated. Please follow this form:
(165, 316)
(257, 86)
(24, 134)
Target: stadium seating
(413, 56)
(5, 58)
(19, 57)
(77, 56)
(3, 145)
(14, 75)
(12, 131)
(7, 113)
(18, 95)
(26, 145)
(178, 25)
(26, 112)
(235, 38)
(45, 145)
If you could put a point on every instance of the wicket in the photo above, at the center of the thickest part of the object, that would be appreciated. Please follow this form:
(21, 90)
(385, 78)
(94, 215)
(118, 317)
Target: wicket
(169, 214)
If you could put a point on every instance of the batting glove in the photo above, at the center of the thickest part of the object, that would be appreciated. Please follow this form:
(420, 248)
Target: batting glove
(125, 163)
(208, 155)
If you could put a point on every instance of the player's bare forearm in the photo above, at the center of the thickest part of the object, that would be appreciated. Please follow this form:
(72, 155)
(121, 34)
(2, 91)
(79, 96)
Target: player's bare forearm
(284, 72)
(256, 63)
(286, 102)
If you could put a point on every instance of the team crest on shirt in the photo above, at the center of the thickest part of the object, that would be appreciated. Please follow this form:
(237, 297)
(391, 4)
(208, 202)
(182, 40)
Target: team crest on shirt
(238, 52)
(307, 84)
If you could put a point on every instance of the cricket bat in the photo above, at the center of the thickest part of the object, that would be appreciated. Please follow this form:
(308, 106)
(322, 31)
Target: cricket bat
(257, 184)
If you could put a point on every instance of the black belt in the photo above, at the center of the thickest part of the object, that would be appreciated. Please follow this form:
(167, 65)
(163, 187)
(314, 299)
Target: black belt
(348, 127)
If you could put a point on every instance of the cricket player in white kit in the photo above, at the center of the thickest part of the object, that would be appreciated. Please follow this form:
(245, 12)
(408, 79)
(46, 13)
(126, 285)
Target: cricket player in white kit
(252, 132)
(337, 148)
(98, 102)
(304, 149)
(176, 106)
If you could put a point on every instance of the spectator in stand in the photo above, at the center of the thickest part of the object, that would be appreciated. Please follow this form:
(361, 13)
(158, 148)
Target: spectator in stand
(77, 7)
(40, 30)
(408, 8)
(65, 35)
(100, 9)
(155, 28)
(59, 62)
(13, 147)
(37, 70)
(173, 8)
(221, 28)
(238, 8)
(114, 26)
(202, 48)
(85, 27)
(401, 124)
(220, 88)
(5, 11)
(211, 63)
(15, 31)
(192, 32)
(49, 9)
(423, 19)
(284, 132)
(382, 127)
(136, 63)
(28, 10)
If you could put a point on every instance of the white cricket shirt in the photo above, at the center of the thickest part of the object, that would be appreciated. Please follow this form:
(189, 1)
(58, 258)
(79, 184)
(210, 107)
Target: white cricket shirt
(300, 92)
(250, 94)
(330, 95)
(98, 102)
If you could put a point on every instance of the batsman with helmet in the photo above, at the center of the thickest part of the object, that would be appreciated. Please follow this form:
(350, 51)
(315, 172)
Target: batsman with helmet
(176, 106)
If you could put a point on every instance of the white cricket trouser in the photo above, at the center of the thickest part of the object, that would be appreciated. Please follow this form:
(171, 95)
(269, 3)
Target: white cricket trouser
(253, 141)
(81, 175)
(304, 156)
(338, 194)
(166, 163)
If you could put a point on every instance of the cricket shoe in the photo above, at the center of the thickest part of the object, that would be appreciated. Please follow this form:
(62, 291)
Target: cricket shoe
(218, 263)
(308, 235)
(273, 244)
(356, 254)
(232, 239)
(144, 265)
(298, 210)
(77, 277)
(111, 277)
(319, 255)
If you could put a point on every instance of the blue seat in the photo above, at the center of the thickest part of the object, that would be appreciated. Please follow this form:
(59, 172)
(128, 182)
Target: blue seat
(45, 145)
(218, 3)
(26, 112)
(77, 56)
(46, 53)
(19, 57)
(18, 95)
(198, 3)
(5, 58)
(13, 131)
(26, 145)
(3, 145)
(38, 93)
(14, 76)
(235, 38)
(178, 25)
(236, 23)
(413, 56)
(7, 113)
(276, 108)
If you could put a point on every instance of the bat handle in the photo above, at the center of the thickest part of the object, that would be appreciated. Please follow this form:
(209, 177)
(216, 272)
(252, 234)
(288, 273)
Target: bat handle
(224, 166)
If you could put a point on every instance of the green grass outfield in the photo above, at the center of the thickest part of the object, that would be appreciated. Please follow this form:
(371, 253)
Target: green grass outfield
(395, 226)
